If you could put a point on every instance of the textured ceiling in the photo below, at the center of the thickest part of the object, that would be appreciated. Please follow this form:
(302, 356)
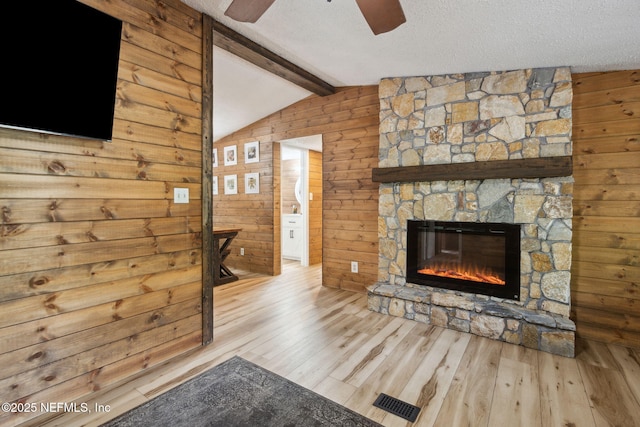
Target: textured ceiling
(244, 93)
(333, 41)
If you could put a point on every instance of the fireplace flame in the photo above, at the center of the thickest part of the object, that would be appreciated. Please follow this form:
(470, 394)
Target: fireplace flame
(455, 271)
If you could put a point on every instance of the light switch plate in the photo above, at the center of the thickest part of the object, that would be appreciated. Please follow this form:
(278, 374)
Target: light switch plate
(354, 266)
(180, 195)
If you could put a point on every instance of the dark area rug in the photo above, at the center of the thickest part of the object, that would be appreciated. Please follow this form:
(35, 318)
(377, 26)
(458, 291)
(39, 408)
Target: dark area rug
(240, 393)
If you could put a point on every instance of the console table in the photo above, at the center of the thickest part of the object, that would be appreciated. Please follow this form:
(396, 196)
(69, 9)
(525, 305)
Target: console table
(222, 238)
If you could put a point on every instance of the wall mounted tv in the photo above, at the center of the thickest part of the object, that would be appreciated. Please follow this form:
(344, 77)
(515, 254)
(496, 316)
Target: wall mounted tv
(59, 68)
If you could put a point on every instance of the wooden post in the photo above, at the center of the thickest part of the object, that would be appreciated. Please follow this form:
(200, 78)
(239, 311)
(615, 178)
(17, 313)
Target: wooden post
(207, 180)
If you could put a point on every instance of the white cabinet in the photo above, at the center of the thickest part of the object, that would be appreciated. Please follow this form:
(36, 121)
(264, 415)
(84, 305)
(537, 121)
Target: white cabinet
(292, 236)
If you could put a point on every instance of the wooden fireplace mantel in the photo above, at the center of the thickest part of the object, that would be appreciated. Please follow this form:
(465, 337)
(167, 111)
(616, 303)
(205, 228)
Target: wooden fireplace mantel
(544, 167)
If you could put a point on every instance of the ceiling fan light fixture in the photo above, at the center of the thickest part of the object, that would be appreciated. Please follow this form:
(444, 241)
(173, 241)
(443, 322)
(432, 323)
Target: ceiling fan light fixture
(382, 15)
(247, 10)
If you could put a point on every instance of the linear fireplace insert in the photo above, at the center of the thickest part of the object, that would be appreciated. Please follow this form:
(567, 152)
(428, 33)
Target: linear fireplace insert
(480, 258)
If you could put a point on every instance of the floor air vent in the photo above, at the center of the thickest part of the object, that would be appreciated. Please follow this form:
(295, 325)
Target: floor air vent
(397, 407)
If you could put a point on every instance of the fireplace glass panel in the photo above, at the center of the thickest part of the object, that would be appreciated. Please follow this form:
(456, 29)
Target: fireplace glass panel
(481, 258)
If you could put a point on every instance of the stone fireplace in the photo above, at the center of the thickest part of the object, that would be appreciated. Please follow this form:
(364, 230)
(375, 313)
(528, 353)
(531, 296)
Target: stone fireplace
(479, 149)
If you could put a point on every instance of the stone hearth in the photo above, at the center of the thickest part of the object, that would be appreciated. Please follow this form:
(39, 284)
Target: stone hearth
(478, 117)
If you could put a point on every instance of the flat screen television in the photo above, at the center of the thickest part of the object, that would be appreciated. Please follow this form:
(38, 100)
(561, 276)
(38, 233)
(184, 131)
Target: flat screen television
(59, 68)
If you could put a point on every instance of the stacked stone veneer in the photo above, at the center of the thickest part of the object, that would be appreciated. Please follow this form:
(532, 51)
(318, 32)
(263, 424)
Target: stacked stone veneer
(479, 117)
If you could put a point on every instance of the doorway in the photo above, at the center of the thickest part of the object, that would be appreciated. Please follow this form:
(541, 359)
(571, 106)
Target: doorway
(301, 200)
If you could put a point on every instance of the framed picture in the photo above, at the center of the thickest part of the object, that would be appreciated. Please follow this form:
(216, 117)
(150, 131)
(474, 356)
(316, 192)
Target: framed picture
(252, 152)
(231, 184)
(215, 157)
(231, 155)
(252, 183)
(214, 185)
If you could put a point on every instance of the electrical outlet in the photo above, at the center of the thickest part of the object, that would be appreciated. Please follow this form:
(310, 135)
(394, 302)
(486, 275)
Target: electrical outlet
(180, 195)
(242, 251)
(354, 266)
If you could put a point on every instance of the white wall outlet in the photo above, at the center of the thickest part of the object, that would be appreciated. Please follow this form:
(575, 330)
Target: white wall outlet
(242, 251)
(180, 195)
(354, 266)
(310, 196)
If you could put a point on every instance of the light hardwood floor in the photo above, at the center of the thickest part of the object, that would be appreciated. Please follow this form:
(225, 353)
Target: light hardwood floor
(326, 340)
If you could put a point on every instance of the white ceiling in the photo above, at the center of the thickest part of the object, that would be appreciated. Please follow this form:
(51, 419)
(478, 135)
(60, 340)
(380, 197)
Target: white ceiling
(333, 41)
(244, 93)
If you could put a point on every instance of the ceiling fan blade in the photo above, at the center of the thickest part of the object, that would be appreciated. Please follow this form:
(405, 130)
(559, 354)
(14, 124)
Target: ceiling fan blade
(247, 10)
(382, 15)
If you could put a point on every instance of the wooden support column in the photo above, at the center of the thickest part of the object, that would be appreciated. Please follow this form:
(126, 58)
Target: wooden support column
(207, 180)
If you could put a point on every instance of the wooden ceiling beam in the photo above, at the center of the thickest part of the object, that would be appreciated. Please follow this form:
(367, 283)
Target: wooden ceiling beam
(237, 44)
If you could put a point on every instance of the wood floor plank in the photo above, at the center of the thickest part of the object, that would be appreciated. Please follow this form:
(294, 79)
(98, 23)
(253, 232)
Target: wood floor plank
(369, 357)
(291, 356)
(303, 328)
(393, 374)
(612, 401)
(335, 390)
(563, 399)
(516, 398)
(317, 367)
(596, 353)
(434, 375)
(629, 361)
(404, 363)
(469, 398)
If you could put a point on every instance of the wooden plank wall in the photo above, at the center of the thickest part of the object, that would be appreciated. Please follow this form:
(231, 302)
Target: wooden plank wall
(100, 273)
(606, 225)
(254, 213)
(315, 207)
(348, 121)
(276, 240)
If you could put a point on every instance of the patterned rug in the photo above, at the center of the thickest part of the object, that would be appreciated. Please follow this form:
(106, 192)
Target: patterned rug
(240, 393)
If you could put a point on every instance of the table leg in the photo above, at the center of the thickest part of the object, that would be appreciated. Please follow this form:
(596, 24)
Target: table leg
(222, 274)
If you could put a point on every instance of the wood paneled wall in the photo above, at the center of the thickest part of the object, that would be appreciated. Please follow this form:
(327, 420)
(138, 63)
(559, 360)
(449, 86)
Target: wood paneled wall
(100, 272)
(254, 213)
(606, 224)
(315, 207)
(348, 121)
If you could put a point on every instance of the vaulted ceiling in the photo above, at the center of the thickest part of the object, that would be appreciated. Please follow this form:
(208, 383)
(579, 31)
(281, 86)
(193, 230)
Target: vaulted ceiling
(332, 40)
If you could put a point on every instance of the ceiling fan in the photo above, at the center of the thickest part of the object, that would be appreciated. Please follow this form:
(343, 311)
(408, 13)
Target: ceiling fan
(381, 15)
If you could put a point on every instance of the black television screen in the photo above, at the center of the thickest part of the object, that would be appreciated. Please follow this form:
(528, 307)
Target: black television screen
(59, 68)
